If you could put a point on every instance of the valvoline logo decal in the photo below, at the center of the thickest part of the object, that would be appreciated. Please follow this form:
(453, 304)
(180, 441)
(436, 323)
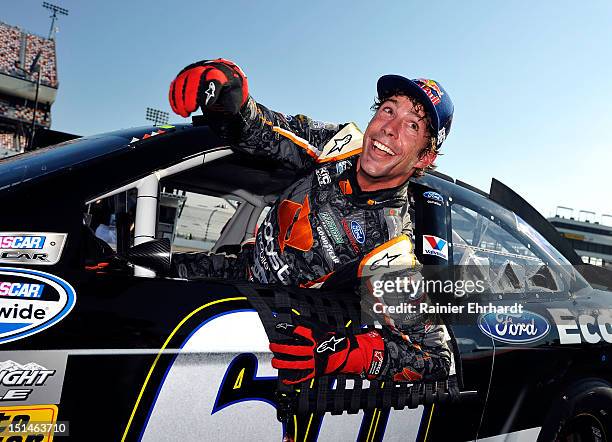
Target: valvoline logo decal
(357, 232)
(31, 301)
(432, 245)
(521, 328)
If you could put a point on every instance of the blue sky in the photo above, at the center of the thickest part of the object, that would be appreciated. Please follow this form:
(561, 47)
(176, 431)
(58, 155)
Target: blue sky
(531, 81)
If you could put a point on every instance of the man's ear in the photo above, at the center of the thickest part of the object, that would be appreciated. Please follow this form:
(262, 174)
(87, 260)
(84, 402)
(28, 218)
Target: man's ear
(426, 159)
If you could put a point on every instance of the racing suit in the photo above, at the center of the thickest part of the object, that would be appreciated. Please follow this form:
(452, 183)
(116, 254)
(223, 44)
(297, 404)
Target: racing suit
(324, 229)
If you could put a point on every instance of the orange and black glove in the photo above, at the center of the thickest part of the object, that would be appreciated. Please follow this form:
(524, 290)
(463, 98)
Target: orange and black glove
(313, 351)
(217, 85)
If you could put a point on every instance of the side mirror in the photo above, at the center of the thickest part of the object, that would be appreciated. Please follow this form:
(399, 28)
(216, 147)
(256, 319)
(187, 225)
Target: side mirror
(154, 255)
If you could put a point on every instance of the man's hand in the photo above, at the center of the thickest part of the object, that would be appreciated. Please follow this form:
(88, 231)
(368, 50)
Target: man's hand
(217, 85)
(316, 351)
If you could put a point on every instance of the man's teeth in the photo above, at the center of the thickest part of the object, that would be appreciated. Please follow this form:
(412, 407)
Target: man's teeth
(383, 148)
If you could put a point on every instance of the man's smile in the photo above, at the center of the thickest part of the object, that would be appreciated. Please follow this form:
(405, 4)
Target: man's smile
(382, 147)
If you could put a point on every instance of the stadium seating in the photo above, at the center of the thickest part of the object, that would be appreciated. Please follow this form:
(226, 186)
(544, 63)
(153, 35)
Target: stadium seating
(11, 41)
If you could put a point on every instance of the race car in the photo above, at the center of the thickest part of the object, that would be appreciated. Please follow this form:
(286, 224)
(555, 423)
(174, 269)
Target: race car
(100, 342)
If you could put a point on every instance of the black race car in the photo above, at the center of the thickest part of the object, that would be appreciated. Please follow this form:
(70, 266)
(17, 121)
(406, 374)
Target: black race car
(99, 343)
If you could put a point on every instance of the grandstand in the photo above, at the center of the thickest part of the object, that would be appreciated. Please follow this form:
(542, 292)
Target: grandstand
(18, 85)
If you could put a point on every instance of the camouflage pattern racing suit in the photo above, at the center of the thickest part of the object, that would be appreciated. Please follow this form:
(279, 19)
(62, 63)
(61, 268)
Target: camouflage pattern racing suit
(324, 228)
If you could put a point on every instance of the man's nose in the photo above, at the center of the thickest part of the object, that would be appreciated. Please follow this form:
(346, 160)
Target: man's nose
(390, 128)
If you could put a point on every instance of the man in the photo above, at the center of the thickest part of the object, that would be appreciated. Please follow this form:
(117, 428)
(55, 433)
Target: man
(345, 219)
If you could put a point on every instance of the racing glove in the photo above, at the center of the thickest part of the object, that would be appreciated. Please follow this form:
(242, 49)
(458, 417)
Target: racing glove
(314, 350)
(217, 85)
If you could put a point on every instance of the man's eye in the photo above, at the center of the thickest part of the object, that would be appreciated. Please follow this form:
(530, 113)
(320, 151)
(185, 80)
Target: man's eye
(414, 126)
(387, 110)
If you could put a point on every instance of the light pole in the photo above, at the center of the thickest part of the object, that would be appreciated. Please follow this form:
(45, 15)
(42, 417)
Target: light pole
(55, 9)
(157, 116)
(34, 67)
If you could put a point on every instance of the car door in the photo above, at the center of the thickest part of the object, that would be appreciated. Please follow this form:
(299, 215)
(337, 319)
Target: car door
(473, 352)
(516, 270)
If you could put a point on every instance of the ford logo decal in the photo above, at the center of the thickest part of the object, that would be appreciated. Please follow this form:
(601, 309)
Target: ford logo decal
(358, 232)
(522, 328)
(433, 196)
(31, 301)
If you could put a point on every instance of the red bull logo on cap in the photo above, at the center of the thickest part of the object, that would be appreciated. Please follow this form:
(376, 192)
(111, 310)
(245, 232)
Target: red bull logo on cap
(431, 88)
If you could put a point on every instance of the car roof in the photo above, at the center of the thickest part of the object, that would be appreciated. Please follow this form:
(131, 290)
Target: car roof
(31, 165)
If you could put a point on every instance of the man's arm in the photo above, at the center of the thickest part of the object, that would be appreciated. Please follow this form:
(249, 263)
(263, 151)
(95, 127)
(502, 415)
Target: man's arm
(220, 89)
(297, 141)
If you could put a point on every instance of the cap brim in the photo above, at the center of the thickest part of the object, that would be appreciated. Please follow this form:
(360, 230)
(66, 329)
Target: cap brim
(389, 84)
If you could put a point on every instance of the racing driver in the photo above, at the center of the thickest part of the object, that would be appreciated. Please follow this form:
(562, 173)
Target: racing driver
(345, 218)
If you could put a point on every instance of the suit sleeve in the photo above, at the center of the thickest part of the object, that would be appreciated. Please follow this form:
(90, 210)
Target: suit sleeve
(296, 141)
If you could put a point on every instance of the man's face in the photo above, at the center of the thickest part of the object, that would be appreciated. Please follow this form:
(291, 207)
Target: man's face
(395, 137)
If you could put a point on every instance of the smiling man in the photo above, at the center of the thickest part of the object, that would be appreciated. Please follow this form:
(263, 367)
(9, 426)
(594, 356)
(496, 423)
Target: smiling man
(345, 218)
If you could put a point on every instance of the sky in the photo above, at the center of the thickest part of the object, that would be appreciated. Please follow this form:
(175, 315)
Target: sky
(531, 81)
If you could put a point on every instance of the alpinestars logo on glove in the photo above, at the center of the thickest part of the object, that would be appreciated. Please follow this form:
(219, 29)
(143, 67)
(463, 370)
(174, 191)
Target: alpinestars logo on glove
(330, 344)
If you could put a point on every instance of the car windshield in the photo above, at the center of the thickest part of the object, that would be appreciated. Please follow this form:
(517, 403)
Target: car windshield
(511, 258)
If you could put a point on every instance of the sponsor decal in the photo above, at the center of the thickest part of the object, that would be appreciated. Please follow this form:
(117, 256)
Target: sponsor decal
(340, 143)
(350, 236)
(576, 328)
(330, 344)
(280, 268)
(21, 290)
(345, 187)
(377, 361)
(341, 166)
(327, 247)
(357, 232)
(323, 177)
(432, 245)
(433, 198)
(22, 242)
(294, 228)
(31, 301)
(32, 377)
(210, 92)
(317, 125)
(441, 136)
(385, 261)
(330, 227)
(35, 248)
(29, 424)
(432, 90)
(520, 328)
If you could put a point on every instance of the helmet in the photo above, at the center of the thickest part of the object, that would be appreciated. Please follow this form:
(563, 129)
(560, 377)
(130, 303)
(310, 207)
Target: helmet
(437, 103)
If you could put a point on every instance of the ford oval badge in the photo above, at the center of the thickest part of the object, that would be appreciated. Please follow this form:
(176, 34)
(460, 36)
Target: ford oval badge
(522, 328)
(358, 232)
